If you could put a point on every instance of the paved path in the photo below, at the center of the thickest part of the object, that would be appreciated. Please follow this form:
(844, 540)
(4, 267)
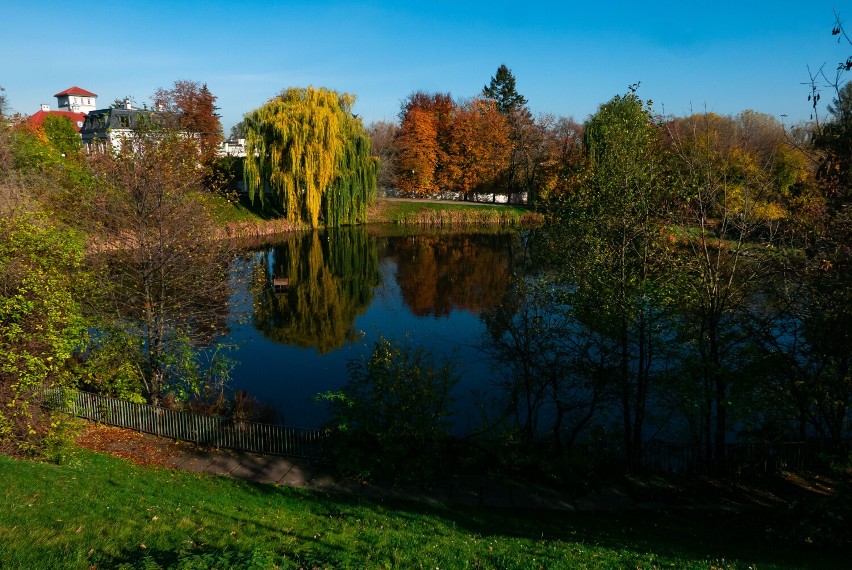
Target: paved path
(506, 493)
(488, 492)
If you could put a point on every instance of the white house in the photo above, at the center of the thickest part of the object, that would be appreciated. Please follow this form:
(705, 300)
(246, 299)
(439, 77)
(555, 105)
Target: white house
(233, 147)
(112, 126)
(76, 100)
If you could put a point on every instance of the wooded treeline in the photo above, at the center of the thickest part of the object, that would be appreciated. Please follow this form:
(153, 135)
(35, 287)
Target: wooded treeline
(487, 146)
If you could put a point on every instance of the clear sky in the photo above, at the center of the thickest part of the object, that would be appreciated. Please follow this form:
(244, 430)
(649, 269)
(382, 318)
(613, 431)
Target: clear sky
(568, 57)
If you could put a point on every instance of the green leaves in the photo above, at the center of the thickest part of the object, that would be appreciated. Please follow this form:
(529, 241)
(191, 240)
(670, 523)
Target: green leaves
(391, 416)
(41, 326)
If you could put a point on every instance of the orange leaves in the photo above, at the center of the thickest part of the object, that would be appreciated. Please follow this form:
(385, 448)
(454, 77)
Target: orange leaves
(418, 152)
(445, 146)
(479, 147)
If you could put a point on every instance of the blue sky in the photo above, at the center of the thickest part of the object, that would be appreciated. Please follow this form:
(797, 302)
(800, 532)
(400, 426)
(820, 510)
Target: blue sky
(568, 57)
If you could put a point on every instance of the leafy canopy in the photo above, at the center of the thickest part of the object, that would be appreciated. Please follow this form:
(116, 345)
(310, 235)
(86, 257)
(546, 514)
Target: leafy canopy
(307, 149)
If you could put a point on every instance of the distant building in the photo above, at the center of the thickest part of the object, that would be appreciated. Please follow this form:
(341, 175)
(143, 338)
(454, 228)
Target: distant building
(73, 103)
(233, 147)
(76, 100)
(111, 126)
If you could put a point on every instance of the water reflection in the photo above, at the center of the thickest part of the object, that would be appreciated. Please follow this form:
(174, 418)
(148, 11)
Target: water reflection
(309, 289)
(439, 273)
(314, 293)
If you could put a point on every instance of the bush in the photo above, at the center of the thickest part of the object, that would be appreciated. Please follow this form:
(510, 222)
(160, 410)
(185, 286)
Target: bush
(40, 326)
(390, 421)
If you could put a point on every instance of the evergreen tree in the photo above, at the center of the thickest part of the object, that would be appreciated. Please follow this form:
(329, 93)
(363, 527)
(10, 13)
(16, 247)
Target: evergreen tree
(502, 90)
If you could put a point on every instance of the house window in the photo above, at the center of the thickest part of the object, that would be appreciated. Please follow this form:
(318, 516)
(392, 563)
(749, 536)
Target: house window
(124, 121)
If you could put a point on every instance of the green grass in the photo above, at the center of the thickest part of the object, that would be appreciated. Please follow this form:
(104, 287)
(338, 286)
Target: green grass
(448, 213)
(225, 210)
(101, 512)
(241, 211)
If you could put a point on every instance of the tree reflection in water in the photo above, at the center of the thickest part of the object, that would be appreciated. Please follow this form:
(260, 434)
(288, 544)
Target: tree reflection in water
(321, 299)
(308, 290)
(440, 273)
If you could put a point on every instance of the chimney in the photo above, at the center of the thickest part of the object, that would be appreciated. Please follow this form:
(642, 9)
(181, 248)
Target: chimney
(45, 107)
(127, 104)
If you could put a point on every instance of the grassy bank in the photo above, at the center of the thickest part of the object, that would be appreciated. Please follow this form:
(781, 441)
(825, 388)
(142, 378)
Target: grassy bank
(102, 512)
(239, 215)
(440, 213)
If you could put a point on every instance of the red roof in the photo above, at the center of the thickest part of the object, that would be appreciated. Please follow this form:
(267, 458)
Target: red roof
(76, 118)
(75, 91)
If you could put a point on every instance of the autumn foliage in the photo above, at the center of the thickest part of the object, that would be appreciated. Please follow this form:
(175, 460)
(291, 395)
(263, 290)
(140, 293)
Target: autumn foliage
(447, 146)
(193, 107)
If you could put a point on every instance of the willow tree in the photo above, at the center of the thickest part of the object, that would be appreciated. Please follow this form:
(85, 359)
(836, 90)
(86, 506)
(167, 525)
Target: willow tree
(309, 152)
(346, 200)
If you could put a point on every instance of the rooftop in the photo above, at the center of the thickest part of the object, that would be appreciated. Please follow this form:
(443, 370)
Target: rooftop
(76, 91)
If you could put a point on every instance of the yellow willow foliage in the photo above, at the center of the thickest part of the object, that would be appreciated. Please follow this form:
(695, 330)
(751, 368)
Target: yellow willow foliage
(292, 148)
(329, 282)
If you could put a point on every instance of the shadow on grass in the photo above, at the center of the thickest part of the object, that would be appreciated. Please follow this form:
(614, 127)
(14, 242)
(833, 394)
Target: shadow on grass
(205, 557)
(742, 536)
(266, 211)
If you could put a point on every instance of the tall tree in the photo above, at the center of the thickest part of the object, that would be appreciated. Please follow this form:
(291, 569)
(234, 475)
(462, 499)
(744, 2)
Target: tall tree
(503, 91)
(2, 101)
(722, 168)
(829, 264)
(383, 135)
(164, 273)
(307, 149)
(194, 108)
(426, 112)
(354, 184)
(444, 146)
(41, 326)
(611, 225)
(479, 148)
(418, 153)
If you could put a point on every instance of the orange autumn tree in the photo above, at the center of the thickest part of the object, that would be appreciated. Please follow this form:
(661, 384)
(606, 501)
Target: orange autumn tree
(479, 148)
(449, 146)
(423, 142)
(193, 109)
(417, 143)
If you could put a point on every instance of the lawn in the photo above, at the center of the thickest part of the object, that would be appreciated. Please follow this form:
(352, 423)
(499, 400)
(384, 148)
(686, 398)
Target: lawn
(101, 512)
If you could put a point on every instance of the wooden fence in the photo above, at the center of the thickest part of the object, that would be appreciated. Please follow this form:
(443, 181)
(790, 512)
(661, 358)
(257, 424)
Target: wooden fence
(202, 429)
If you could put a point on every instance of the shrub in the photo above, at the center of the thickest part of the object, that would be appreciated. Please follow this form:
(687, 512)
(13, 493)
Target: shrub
(40, 325)
(390, 421)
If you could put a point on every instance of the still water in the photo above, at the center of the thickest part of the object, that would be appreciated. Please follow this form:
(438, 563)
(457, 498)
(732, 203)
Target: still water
(306, 306)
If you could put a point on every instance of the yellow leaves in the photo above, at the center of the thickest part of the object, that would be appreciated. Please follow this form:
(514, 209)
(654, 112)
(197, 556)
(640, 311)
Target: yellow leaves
(769, 212)
(293, 144)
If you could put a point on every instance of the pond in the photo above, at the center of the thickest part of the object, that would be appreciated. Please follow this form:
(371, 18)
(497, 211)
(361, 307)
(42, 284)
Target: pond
(307, 305)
